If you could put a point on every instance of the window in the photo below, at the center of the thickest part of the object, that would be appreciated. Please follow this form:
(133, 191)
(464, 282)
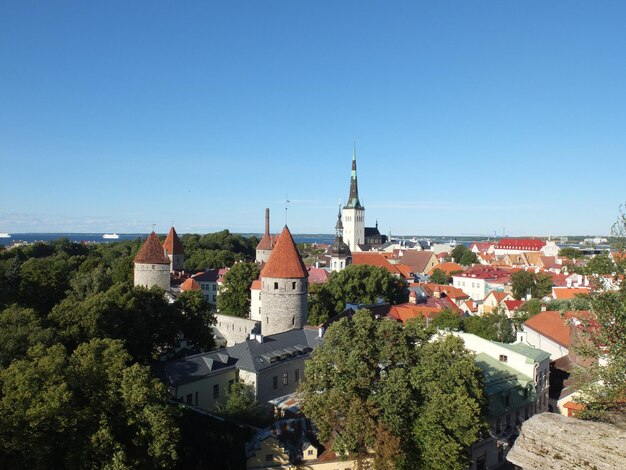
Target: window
(189, 399)
(285, 378)
(275, 382)
(503, 358)
(275, 285)
(293, 285)
(293, 320)
(196, 398)
(296, 375)
(309, 452)
(216, 391)
(214, 286)
(507, 401)
(269, 457)
(230, 385)
(498, 425)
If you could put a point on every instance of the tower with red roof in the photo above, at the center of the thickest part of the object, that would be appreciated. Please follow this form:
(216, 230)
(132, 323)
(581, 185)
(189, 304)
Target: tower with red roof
(266, 245)
(152, 267)
(284, 288)
(173, 249)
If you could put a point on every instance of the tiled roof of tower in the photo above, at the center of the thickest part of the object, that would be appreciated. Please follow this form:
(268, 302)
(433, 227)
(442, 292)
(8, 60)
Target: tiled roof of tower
(266, 243)
(190, 284)
(285, 261)
(152, 252)
(172, 243)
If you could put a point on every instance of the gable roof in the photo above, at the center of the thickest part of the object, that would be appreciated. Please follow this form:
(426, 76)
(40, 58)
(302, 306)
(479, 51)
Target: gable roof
(498, 296)
(525, 244)
(285, 261)
(190, 284)
(448, 267)
(375, 259)
(513, 304)
(172, 243)
(553, 325)
(210, 275)
(566, 293)
(151, 252)
(416, 260)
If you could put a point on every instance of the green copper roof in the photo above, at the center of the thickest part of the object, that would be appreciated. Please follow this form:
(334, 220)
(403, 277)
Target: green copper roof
(534, 354)
(353, 198)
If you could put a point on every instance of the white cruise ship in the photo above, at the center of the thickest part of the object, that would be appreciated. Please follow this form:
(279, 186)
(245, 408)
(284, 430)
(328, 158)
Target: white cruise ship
(4, 235)
(110, 236)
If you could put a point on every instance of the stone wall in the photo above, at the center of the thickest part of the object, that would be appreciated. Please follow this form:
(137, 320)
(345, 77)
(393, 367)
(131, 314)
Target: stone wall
(284, 304)
(263, 255)
(149, 275)
(235, 329)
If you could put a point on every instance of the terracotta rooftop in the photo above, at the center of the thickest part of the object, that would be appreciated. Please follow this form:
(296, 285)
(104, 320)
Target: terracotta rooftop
(285, 261)
(375, 259)
(152, 252)
(416, 260)
(190, 284)
(526, 244)
(553, 326)
(566, 293)
(267, 242)
(172, 243)
(447, 268)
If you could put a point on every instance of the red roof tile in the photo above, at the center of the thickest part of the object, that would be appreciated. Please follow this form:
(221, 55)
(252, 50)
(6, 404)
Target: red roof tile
(526, 244)
(152, 252)
(447, 268)
(375, 259)
(189, 285)
(553, 326)
(285, 261)
(566, 293)
(173, 244)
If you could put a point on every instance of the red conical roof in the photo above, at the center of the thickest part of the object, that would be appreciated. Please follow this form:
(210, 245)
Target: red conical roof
(285, 261)
(152, 252)
(190, 284)
(172, 243)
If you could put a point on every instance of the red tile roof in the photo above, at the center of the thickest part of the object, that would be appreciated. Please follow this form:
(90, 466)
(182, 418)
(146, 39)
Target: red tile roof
(526, 244)
(431, 309)
(553, 326)
(172, 243)
(256, 284)
(317, 275)
(285, 261)
(375, 259)
(566, 293)
(189, 285)
(152, 252)
(447, 268)
(416, 260)
(450, 291)
(267, 242)
(513, 304)
(499, 296)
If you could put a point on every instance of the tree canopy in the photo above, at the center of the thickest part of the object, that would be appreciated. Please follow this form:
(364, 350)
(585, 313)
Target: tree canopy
(356, 284)
(524, 283)
(376, 385)
(438, 276)
(234, 295)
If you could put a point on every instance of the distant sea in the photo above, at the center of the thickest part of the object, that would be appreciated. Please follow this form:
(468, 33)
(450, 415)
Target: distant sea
(97, 237)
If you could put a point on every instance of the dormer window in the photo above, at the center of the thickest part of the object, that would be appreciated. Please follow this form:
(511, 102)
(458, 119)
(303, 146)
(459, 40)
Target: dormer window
(503, 358)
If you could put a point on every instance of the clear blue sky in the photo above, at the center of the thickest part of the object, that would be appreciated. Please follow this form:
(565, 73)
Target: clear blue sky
(468, 116)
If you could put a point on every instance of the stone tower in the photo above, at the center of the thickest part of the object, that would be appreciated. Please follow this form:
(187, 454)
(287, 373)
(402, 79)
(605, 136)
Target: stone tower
(173, 249)
(265, 246)
(354, 213)
(340, 252)
(284, 288)
(152, 267)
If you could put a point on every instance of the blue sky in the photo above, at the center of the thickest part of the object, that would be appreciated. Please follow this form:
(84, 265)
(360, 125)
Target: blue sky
(469, 117)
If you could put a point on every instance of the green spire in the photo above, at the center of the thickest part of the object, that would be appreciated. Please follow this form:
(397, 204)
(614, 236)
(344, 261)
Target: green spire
(353, 198)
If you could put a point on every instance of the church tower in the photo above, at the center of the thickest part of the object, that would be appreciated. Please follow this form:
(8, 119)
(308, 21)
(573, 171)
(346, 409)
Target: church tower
(354, 213)
(284, 288)
(173, 249)
(152, 267)
(340, 252)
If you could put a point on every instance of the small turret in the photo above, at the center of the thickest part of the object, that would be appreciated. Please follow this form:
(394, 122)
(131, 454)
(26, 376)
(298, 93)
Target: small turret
(173, 249)
(341, 256)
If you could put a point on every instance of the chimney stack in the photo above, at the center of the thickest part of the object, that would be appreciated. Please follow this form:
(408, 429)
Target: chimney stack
(267, 221)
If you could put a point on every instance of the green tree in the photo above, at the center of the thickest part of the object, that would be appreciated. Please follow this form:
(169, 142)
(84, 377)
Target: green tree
(357, 284)
(90, 409)
(198, 319)
(447, 320)
(522, 283)
(468, 258)
(241, 404)
(600, 264)
(457, 252)
(542, 285)
(571, 253)
(20, 328)
(439, 277)
(378, 385)
(492, 326)
(234, 294)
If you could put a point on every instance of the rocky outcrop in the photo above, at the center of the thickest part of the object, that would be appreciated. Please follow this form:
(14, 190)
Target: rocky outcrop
(553, 441)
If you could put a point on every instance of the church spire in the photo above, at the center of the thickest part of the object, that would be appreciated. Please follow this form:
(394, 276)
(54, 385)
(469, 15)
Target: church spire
(353, 198)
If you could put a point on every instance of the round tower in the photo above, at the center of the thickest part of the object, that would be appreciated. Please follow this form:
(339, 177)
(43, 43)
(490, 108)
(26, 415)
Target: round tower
(341, 256)
(284, 288)
(152, 267)
(266, 245)
(173, 249)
